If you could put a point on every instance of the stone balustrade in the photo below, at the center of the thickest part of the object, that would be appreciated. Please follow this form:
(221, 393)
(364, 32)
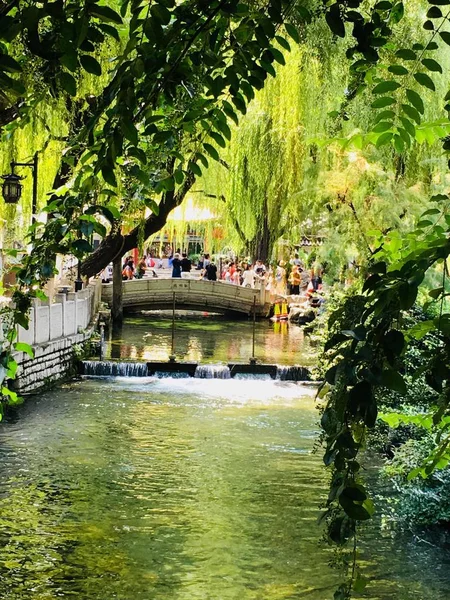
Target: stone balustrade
(67, 315)
(55, 329)
(191, 294)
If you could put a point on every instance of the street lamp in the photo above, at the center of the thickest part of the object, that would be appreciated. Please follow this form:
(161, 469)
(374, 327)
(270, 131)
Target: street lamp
(12, 188)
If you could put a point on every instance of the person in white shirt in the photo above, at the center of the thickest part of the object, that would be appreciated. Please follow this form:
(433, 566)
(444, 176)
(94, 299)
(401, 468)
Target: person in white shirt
(248, 277)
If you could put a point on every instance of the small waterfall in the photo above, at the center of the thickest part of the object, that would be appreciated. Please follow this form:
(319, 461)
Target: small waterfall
(171, 375)
(292, 373)
(212, 372)
(260, 376)
(114, 369)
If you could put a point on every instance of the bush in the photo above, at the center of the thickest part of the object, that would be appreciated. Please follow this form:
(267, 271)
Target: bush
(420, 501)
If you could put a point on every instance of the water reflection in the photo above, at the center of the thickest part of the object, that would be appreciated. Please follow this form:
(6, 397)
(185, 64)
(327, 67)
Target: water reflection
(181, 490)
(209, 339)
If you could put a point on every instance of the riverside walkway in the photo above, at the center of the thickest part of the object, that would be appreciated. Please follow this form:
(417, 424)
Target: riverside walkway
(190, 294)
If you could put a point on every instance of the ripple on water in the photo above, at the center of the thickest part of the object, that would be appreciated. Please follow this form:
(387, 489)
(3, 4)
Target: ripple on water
(180, 490)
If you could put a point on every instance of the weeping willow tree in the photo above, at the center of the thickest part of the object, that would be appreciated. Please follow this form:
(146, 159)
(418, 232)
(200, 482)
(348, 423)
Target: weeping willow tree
(260, 182)
(305, 161)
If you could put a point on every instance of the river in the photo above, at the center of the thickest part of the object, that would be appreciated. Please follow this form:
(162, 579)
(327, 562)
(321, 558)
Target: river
(209, 339)
(182, 489)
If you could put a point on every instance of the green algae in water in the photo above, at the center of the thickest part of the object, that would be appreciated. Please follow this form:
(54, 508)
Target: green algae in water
(210, 339)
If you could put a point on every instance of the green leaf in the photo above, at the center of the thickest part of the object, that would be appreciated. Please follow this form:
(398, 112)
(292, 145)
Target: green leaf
(398, 70)
(406, 54)
(192, 166)
(434, 13)
(239, 102)
(229, 111)
(109, 176)
(408, 295)
(12, 369)
(436, 292)
(218, 139)
(382, 102)
(399, 143)
(415, 100)
(167, 184)
(90, 64)
(13, 396)
(277, 55)
(405, 136)
(8, 63)
(211, 151)
(432, 65)
(409, 127)
(334, 20)
(360, 583)
(386, 86)
(222, 126)
(152, 205)
(129, 130)
(393, 381)
(283, 42)
(82, 246)
(22, 347)
(384, 115)
(68, 83)
(178, 176)
(383, 5)
(397, 13)
(384, 139)
(104, 13)
(70, 61)
(292, 32)
(161, 13)
(445, 35)
(109, 30)
(411, 112)
(420, 330)
(382, 127)
(425, 80)
(202, 158)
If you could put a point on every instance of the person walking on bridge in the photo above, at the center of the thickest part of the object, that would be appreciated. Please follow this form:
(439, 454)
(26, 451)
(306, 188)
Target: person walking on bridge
(176, 265)
(186, 266)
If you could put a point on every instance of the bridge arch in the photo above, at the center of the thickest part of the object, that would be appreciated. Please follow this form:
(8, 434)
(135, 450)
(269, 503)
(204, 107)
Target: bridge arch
(190, 294)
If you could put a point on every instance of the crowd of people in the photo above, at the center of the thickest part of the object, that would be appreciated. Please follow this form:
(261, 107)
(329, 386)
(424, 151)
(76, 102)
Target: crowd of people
(286, 278)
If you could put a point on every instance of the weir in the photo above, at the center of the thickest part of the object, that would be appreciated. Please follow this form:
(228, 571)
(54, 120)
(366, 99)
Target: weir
(97, 368)
(212, 372)
(104, 368)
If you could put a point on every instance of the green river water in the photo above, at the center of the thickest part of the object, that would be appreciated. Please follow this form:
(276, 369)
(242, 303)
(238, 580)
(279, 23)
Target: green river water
(182, 489)
(210, 339)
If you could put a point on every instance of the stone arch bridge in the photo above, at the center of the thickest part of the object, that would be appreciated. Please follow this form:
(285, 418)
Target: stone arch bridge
(190, 294)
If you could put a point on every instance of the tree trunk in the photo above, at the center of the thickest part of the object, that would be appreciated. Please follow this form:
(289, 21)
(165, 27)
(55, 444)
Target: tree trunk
(116, 244)
(117, 299)
(261, 246)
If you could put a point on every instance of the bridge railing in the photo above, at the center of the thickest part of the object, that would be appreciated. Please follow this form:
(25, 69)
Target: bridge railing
(197, 294)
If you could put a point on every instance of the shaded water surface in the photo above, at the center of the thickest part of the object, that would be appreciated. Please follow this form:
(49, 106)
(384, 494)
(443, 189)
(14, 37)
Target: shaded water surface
(209, 338)
(179, 490)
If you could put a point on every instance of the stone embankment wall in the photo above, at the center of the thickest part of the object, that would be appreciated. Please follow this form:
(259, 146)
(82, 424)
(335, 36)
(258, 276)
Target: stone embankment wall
(56, 333)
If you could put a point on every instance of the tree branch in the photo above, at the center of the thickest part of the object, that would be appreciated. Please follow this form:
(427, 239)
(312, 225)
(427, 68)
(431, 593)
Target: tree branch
(116, 244)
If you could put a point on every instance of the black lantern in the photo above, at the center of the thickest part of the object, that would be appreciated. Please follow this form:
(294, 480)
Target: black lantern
(12, 188)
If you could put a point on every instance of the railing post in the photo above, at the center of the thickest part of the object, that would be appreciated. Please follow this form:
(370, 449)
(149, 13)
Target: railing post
(172, 356)
(102, 339)
(253, 358)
